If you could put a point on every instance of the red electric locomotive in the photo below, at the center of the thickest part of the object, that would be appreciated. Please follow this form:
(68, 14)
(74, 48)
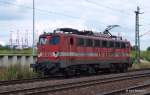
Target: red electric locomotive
(70, 51)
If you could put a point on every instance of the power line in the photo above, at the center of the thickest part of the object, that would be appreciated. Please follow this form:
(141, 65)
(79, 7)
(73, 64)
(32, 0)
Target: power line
(56, 13)
(45, 11)
(41, 10)
(148, 32)
(108, 7)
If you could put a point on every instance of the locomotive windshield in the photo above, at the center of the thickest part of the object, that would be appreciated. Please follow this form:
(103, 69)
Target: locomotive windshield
(42, 41)
(54, 40)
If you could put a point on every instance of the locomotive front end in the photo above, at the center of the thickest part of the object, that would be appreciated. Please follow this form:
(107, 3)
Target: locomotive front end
(48, 55)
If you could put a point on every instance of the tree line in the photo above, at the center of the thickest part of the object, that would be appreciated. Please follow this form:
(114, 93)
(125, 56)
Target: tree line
(134, 48)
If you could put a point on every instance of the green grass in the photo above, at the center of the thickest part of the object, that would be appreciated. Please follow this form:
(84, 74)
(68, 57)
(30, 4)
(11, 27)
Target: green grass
(145, 60)
(16, 71)
(145, 55)
(16, 51)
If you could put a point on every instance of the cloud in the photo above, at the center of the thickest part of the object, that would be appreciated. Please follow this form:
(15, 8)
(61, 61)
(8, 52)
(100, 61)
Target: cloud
(75, 14)
(13, 10)
(2, 43)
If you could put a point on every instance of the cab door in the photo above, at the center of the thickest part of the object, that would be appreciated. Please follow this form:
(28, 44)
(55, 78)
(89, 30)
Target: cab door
(71, 49)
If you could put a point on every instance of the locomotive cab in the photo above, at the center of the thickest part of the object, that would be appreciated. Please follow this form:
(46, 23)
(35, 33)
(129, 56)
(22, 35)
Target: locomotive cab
(48, 49)
(48, 46)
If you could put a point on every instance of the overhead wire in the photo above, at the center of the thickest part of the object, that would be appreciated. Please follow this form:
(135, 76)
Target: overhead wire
(62, 14)
(108, 7)
(46, 11)
(41, 10)
(148, 32)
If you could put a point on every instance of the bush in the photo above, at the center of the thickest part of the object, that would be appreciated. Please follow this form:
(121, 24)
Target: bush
(142, 65)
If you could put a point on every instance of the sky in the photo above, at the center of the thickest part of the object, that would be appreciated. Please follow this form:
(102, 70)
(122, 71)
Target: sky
(96, 15)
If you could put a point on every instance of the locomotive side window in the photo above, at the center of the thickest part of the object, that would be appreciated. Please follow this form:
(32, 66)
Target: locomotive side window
(117, 44)
(111, 44)
(96, 43)
(104, 43)
(54, 40)
(123, 45)
(80, 42)
(89, 42)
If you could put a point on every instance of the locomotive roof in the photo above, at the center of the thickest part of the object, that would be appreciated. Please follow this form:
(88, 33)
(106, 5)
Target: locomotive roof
(84, 34)
(98, 37)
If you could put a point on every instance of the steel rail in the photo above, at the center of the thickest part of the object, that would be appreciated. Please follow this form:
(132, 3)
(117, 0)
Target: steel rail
(131, 89)
(64, 86)
(29, 80)
(36, 79)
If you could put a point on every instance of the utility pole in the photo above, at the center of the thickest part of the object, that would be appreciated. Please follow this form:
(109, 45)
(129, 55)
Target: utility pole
(137, 37)
(33, 51)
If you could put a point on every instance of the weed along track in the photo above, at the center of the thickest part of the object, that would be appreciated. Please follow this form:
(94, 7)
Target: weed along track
(92, 85)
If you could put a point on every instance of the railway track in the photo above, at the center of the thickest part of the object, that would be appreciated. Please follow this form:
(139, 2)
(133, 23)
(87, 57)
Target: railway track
(82, 83)
(143, 89)
(12, 82)
(29, 80)
(36, 79)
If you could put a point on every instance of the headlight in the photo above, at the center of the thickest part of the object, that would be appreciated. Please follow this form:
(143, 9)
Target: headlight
(39, 54)
(55, 54)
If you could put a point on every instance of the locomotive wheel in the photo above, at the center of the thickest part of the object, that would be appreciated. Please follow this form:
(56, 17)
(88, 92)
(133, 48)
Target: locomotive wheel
(68, 72)
(91, 71)
(106, 71)
(40, 74)
(97, 71)
(123, 68)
